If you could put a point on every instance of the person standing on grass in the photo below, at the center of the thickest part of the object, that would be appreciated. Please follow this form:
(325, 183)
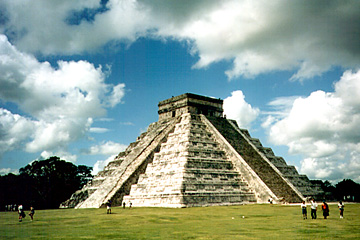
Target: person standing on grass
(32, 212)
(313, 208)
(303, 210)
(21, 212)
(341, 209)
(325, 209)
(108, 207)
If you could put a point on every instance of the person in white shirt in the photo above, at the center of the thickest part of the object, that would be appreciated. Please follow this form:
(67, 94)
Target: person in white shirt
(303, 210)
(313, 209)
(341, 209)
(21, 212)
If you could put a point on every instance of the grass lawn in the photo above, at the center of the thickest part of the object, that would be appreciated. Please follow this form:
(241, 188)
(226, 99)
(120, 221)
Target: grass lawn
(226, 222)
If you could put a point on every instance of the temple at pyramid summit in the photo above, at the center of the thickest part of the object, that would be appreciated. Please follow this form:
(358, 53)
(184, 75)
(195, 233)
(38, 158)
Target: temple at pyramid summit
(194, 156)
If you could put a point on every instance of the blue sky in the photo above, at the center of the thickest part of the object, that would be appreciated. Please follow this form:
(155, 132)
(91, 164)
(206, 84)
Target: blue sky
(82, 79)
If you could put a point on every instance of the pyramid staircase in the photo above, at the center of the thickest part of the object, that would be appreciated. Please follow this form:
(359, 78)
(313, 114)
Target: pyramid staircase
(190, 170)
(117, 177)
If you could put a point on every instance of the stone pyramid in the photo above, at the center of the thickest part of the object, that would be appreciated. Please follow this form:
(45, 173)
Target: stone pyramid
(193, 156)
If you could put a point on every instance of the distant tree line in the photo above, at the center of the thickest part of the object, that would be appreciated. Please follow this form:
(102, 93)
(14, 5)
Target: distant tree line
(43, 184)
(345, 190)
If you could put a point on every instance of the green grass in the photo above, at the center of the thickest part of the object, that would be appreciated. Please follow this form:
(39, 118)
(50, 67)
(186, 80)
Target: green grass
(260, 222)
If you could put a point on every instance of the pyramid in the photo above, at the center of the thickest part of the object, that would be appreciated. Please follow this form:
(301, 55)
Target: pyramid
(194, 156)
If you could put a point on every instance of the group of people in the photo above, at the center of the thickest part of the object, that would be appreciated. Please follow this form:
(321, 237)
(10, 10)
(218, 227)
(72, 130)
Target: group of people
(22, 214)
(108, 206)
(324, 207)
(10, 208)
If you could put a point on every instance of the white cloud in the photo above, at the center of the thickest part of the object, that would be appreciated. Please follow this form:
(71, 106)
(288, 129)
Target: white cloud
(44, 24)
(5, 171)
(235, 107)
(310, 37)
(98, 130)
(117, 94)
(63, 155)
(323, 127)
(99, 165)
(106, 148)
(60, 103)
(14, 130)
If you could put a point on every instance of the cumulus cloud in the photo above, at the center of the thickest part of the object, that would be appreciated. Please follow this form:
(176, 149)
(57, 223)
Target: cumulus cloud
(24, 22)
(99, 165)
(5, 171)
(257, 36)
(323, 127)
(235, 107)
(63, 155)
(56, 105)
(14, 130)
(106, 148)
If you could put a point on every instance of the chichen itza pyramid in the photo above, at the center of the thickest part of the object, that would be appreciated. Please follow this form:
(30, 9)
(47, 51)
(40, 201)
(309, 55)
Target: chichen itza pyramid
(194, 156)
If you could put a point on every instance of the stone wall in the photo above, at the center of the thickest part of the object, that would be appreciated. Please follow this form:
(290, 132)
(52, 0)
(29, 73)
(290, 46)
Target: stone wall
(190, 103)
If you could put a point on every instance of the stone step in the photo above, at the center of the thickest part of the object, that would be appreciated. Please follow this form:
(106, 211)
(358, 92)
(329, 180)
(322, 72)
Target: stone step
(105, 172)
(288, 170)
(256, 142)
(277, 161)
(209, 164)
(267, 151)
(115, 164)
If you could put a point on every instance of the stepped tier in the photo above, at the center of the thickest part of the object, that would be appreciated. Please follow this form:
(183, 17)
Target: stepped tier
(190, 170)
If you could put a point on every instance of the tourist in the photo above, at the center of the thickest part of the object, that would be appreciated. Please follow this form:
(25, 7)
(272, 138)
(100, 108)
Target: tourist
(303, 210)
(124, 204)
(341, 209)
(270, 200)
(130, 204)
(21, 212)
(32, 212)
(313, 208)
(325, 209)
(108, 207)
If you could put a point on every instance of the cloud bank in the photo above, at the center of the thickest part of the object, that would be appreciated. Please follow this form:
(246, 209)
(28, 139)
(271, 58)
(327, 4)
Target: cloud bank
(56, 105)
(324, 127)
(257, 36)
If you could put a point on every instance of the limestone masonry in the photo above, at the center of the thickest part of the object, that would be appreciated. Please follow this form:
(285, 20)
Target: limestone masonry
(193, 156)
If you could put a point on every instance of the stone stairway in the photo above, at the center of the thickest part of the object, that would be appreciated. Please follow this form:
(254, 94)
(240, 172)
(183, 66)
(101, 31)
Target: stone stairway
(190, 170)
(254, 154)
(117, 177)
(301, 182)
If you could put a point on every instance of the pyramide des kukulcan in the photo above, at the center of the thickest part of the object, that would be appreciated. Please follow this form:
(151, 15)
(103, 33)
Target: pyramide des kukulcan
(193, 156)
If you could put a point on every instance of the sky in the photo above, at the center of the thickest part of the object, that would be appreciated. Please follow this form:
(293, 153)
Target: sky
(82, 79)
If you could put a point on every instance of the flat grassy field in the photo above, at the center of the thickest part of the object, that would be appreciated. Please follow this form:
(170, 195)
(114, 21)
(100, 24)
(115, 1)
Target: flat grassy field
(262, 221)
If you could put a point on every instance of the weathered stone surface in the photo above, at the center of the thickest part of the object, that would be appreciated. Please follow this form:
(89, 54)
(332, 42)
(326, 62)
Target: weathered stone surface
(190, 170)
(194, 157)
